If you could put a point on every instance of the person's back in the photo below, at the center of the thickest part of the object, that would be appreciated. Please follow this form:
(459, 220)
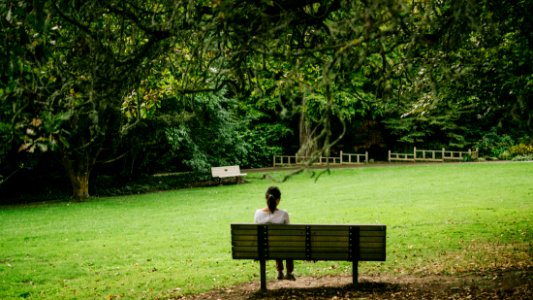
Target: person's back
(273, 215)
(265, 216)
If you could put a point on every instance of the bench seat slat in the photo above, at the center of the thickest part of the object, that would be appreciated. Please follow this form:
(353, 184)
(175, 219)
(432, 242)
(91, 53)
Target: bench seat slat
(313, 226)
(344, 249)
(245, 255)
(319, 227)
(247, 235)
(246, 249)
(347, 233)
(317, 256)
(314, 247)
(297, 232)
(282, 244)
(246, 231)
(288, 255)
(285, 227)
(288, 238)
(241, 239)
(315, 239)
(244, 243)
(243, 226)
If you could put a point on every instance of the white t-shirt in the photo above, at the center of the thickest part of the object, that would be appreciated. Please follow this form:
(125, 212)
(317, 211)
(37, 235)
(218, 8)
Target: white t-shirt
(266, 217)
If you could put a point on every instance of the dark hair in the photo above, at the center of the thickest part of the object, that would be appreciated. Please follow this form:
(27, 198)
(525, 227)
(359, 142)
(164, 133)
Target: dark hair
(272, 195)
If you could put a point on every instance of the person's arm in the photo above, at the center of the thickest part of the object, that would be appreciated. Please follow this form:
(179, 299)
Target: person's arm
(258, 218)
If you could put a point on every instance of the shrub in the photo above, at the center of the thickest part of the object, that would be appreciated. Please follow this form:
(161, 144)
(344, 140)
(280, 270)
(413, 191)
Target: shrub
(495, 145)
(527, 157)
(521, 149)
(505, 155)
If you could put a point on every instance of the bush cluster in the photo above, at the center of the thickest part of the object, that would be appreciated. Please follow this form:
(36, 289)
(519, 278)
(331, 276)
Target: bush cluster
(504, 147)
(521, 149)
(523, 157)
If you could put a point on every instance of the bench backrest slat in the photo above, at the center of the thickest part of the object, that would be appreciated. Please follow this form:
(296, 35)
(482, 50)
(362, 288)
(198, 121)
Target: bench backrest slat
(309, 242)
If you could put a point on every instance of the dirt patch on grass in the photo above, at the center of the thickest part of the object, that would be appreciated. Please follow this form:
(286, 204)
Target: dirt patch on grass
(501, 284)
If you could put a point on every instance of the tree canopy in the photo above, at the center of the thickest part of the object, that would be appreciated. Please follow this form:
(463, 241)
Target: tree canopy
(199, 83)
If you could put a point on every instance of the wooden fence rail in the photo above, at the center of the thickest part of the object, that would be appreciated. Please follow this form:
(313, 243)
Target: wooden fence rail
(358, 158)
(342, 159)
(433, 155)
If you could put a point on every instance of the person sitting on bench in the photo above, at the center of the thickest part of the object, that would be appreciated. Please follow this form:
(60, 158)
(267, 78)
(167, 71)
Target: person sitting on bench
(273, 215)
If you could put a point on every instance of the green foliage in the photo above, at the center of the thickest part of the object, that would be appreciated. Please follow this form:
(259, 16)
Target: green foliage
(469, 68)
(88, 80)
(527, 157)
(70, 66)
(320, 63)
(262, 142)
(495, 145)
(195, 132)
(521, 149)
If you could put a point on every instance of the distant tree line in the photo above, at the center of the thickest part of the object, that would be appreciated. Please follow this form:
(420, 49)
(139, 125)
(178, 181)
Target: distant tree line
(95, 91)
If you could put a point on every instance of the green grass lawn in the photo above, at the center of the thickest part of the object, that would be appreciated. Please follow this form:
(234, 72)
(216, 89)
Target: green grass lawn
(441, 219)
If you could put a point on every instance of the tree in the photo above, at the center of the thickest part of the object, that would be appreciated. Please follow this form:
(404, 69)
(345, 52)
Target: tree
(81, 75)
(307, 58)
(76, 61)
(468, 73)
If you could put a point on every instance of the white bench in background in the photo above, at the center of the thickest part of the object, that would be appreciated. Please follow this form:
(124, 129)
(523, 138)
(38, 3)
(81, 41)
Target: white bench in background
(227, 172)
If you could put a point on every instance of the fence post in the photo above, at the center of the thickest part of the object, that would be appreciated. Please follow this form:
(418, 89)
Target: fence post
(389, 156)
(366, 156)
(414, 153)
(341, 157)
(443, 153)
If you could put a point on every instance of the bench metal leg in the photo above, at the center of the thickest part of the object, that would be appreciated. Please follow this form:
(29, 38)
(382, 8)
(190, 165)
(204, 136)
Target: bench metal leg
(262, 264)
(355, 272)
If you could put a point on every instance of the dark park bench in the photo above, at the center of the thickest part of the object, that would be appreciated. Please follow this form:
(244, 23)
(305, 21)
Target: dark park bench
(311, 242)
(227, 172)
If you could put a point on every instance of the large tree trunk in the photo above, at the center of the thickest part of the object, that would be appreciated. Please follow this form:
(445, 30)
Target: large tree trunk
(305, 135)
(80, 185)
(78, 169)
(308, 144)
